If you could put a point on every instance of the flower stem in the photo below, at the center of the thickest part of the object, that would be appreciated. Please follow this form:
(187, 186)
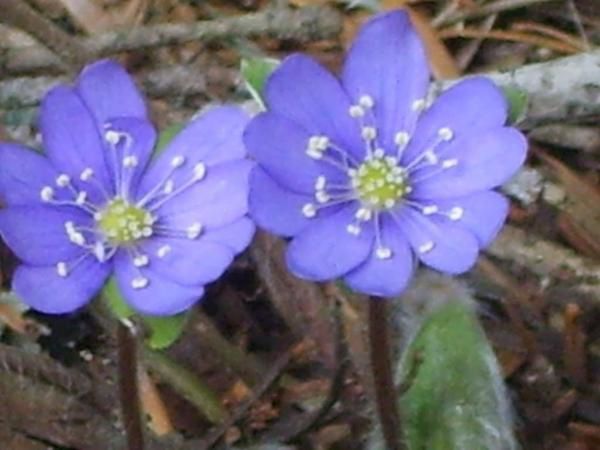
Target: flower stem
(383, 380)
(128, 387)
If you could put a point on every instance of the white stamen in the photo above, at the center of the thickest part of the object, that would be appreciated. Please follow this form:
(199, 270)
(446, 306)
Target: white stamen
(426, 247)
(199, 171)
(448, 163)
(169, 187)
(389, 203)
(309, 210)
(76, 238)
(139, 282)
(194, 230)
(378, 153)
(401, 138)
(163, 251)
(429, 209)
(178, 161)
(356, 111)
(320, 183)
(130, 161)
(383, 253)
(63, 180)
(323, 143)
(112, 137)
(81, 198)
(86, 174)
(366, 101)
(418, 105)
(99, 251)
(353, 229)
(47, 193)
(445, 134)
(62, 269)
(314, 154)
(369, 133)
(147, 232)
(141, 260)
(322, 196)
(456, 213)
(431, 157)
(364, 214)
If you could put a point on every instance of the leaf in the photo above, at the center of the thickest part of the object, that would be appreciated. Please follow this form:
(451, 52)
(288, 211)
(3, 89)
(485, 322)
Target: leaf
(255, 72)
(163, 331)
(455, 397)
(166, 136)
(517, 103)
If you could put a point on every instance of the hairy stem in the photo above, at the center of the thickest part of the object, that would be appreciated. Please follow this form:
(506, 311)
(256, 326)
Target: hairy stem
(383, 380)
(128, 388)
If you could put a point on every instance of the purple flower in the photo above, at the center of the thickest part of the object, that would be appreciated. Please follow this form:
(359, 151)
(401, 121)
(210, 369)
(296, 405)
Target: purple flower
(97, 204)
(366, 177)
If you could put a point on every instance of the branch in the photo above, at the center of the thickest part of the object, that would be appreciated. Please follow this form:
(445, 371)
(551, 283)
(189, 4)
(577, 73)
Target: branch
(305, 24)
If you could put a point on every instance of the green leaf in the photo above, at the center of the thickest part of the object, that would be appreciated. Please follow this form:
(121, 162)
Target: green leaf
(455, 397)
(166, 136)
(163, 330)
(518, 102)
(255, 72)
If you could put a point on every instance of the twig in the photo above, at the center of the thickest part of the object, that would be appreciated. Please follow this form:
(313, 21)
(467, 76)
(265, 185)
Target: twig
(305, 24)
(466, 54)
(129, 388)
(574, 345)
(20, 15)
(383, 379)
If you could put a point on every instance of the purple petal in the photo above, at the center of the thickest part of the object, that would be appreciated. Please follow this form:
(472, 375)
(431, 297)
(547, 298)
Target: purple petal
(439, 244)
(385, 277)
(274, 208)
(325, 250)
(130, 153)
(469, 107)
(212, 138)
(484, 161)
(37, 233)
(236, 236)
(23, 174)
(387, 62)
(483, 214)
(308, 95)
(217, 200)
(280, 146)
(161, 297)
(45, 291)
(191, 262)
(71, 137)
(108, 91)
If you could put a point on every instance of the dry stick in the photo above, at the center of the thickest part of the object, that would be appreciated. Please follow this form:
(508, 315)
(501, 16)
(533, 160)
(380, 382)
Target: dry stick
(128, 387)
(20, 15)
(304, 24)
(385, 393)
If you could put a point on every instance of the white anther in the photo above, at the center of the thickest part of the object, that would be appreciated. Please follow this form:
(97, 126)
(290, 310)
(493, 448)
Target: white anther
(77, 238)
(445, 134)
(378, 153)
(369, 133)
(61, 269)
(199, 171)
(112, 137)
(81, 198)
(366, 101)
(418, 105)
(178, 161)
(99, 251)
(322, 196)
(322, 143)
(401, 138)
(130, 161)
(389, 203)
(163, 251)
(431, 157)
(147, 232)
(354, 229)
(320, 183)
(314, 154)
(141, 261)
(383, 253)
(63, 180)
(356, 111)
(139, 282)
(448, 163)
(352, 173)
(309, 210)
(429, 209)
(364, 214)
(391, 161)
(47, 193)
(194, 230)
(137, 234)
(456, 213)
(169, 187)
(86, 174)
(426, 247)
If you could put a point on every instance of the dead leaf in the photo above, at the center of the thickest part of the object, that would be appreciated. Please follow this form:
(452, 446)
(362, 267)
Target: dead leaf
(92, 18)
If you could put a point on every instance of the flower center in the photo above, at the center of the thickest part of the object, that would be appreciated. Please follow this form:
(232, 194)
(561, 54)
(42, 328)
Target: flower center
(123, 223)
(380, 182)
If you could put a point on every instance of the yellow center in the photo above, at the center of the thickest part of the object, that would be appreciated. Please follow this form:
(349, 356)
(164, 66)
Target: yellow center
(380, 182)
(123, 223)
